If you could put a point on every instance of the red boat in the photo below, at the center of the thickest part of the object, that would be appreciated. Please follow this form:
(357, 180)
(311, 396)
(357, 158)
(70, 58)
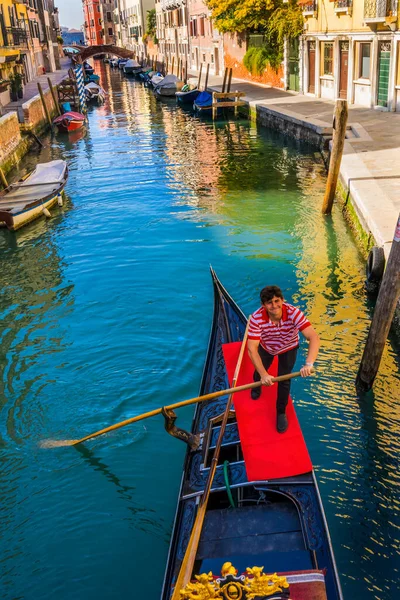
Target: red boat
(69, 121)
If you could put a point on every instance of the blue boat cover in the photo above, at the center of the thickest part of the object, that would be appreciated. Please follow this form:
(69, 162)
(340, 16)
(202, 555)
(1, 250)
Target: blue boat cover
(203, 100)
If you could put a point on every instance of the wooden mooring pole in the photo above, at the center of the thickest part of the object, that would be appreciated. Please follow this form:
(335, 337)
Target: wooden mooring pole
(3, 178)
(386, 303)
(339, 127)
(228, 87)
(54, 95)
(199, 80)
(46, 110)
(206, 80)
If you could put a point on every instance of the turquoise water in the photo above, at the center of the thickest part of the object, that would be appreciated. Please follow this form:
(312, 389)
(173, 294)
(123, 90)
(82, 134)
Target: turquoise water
(106, 310)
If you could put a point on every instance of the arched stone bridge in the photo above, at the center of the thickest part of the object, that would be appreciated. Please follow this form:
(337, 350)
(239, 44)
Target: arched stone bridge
(88, 51)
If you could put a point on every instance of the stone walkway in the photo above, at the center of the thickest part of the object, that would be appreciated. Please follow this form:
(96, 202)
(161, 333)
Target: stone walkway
(31, 89)
(370, 166)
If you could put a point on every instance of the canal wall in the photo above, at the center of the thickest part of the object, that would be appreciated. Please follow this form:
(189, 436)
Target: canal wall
(15, 129)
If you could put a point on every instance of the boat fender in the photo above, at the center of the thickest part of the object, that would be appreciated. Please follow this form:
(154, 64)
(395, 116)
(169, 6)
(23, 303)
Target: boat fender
(227, 485)
(375, 265)
(46, 213)
(60, 200)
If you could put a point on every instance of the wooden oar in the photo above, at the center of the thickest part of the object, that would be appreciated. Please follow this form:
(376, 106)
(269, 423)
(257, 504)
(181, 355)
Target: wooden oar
(157, 411)
(186, 569)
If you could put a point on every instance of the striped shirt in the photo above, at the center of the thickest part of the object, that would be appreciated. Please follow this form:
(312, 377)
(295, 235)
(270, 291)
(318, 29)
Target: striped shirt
(280, 337)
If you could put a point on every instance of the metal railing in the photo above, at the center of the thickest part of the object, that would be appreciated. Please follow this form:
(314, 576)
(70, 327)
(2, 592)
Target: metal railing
(16, 36)
(309, 7)
(379, 9)
(343, 3)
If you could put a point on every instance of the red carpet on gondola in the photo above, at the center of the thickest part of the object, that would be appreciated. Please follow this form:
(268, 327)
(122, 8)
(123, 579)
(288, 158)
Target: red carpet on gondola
(267, 453)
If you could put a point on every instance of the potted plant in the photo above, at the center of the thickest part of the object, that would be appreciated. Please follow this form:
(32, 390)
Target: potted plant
(13, 88)
(20, 89)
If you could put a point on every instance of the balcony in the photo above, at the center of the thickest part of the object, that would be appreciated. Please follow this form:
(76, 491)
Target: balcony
(378, 11)
(171, 4)
(308, 8)
(343, 6)
(17, 36)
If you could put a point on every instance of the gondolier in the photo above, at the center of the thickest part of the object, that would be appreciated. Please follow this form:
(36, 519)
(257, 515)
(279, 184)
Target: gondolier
(274, 331)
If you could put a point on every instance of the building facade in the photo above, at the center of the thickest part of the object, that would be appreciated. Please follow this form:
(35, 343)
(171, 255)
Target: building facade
(172, 18)
(350, 50)
(133, 19)
(93, 22)
(107, 17)
(206, 44)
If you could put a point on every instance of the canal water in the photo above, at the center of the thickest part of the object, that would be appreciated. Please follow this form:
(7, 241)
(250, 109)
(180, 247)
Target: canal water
(106, 311)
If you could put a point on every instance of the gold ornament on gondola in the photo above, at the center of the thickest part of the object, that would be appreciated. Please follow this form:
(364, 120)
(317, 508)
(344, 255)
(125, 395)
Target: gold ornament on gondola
(256, 584)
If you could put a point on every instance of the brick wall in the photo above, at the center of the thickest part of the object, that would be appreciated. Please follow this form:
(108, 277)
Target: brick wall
(10, 135)
(34, 115)
(234, 50)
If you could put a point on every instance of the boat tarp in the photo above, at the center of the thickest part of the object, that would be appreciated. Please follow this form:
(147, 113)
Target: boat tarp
(203, 99)
(70, 116)
(267, 453)
(44, 180)
(131, 63)
(94, 88)
(169, 81)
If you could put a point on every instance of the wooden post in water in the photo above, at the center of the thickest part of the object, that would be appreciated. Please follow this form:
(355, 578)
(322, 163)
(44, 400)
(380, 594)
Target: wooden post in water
(199, 79)
(339, 135)
(179, 66)
(54, 95)
(385, 307)
(166, 67)
(228, 87)
(3, 178)
(186, 70)
(224, 81)
(46, 110)
(206, 81)
(173, 61)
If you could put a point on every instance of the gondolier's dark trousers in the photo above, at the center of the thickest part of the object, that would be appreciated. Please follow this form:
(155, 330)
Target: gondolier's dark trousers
(286, 362)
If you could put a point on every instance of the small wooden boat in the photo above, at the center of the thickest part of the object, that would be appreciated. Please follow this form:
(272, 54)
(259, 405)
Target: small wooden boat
(132, 67)
(94, 93)
(31, 197)
(168, 86)
(89, 70)
(69, 121)
(254, 526)
(187, 96)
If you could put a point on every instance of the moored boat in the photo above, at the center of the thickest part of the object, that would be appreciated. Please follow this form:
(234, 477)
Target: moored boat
(203, 102)
(30, 198)
(187, 96)
(264, 533)
(94, 93)
(69, 121)
(168, 85)
(132, 67)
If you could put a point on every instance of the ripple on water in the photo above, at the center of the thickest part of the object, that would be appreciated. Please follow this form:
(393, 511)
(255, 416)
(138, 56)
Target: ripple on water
(106, 313)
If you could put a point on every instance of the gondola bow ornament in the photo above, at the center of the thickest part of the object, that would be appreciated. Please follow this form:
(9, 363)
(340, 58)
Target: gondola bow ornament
(255, 585)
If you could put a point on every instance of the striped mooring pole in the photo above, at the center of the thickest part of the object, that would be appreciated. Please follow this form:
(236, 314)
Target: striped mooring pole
(81, 87)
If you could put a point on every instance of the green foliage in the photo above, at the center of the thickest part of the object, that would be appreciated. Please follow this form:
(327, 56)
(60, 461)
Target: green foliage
(286, 21)
(240, 15)
(151, 22)
(256, 60)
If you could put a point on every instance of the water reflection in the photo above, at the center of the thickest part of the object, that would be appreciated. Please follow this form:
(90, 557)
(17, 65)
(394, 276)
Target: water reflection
(112, 297)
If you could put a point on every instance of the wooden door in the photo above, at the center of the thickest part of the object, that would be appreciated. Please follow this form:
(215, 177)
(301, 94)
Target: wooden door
(344, 69)
(294, 79)
(311, 67)
(383, 74)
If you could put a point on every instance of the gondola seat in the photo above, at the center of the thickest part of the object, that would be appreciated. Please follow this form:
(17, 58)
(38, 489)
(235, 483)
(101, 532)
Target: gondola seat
(270, 532)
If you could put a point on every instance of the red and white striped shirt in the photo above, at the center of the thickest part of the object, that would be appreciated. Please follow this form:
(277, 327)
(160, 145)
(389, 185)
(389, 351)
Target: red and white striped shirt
(280, 337)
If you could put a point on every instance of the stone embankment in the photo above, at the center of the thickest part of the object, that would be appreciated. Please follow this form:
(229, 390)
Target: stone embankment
(27, 116)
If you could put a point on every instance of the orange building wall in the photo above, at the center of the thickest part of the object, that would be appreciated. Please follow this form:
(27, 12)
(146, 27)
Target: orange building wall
(234, 51)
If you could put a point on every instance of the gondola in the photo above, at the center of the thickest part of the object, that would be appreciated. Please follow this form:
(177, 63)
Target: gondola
(31, 197)
(267, 532)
